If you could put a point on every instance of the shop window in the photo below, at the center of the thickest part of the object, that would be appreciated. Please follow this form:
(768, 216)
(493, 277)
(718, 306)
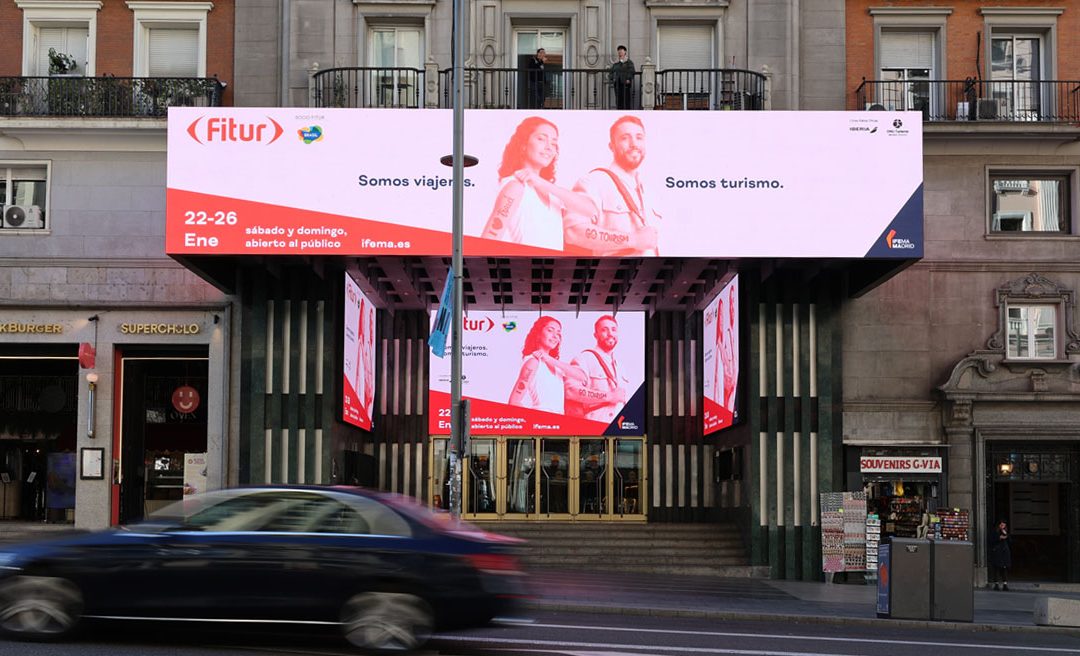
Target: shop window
(1030, 202)
(23, 194)
(1036, 320)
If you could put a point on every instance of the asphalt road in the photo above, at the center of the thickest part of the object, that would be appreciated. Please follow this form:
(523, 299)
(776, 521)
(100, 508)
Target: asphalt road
(577, 635)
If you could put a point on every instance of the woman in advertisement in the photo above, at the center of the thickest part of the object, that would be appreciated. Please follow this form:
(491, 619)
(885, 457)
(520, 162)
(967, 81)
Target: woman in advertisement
(529, 208)
(540, 382)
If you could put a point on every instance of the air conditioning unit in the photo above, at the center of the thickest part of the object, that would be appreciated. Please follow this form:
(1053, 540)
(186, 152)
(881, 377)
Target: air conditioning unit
(992, 109)
(23, 217)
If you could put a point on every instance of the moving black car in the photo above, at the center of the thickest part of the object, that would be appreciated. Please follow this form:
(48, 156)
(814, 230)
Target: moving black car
(384, 569)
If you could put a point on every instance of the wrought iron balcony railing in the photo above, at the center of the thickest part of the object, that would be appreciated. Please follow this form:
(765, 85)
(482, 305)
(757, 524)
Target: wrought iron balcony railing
(369, 87)
(1050, 101)
(113, 97)
(509, 88)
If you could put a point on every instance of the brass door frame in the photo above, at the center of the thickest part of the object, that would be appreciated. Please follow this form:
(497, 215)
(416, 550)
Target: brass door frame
(611, 511)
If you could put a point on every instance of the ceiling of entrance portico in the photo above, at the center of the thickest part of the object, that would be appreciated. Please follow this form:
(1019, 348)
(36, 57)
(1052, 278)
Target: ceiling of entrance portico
(556, 284)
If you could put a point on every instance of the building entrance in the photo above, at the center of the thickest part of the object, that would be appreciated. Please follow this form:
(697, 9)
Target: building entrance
(548, 478)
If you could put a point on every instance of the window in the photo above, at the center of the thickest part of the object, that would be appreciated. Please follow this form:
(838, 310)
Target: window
(23, 193)
(1015, 72)
(1032, 332)
(685, 51)
(396, 48)
(170, 38)
(1035, 321)
(68, 26)
(907, 66)
(1030, 202)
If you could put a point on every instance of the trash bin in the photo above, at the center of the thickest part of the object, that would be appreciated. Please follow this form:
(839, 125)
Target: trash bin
(953, 570)
(904, 579)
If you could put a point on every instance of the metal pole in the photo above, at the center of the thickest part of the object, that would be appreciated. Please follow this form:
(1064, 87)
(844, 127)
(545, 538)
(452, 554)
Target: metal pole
(456, 433)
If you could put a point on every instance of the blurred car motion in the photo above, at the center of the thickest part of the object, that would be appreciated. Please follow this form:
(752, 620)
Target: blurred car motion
(382, 568)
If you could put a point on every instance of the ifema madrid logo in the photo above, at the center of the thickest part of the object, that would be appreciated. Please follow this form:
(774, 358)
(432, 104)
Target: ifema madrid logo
(892, 241)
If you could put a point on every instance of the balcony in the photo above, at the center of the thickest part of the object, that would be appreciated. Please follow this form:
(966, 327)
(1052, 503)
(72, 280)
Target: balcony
(1001, 101)
(105, 97)
(508, 88)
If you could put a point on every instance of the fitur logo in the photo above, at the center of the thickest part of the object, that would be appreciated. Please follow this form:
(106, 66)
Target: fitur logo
(892, 241)
(217, 129)
(479, 325)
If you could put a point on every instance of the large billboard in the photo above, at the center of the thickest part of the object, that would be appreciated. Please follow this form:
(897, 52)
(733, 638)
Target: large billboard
(720, 358)
(288, 181)
(358, 357)
(556, 373)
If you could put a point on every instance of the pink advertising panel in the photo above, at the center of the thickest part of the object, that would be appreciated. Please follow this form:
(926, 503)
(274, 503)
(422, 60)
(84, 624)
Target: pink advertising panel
(358, 357)
(721, 358)
(551, 374)
(287, 181)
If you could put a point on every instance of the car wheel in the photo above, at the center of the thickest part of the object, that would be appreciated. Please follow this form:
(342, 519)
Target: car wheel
(387, 621)
(38, 607)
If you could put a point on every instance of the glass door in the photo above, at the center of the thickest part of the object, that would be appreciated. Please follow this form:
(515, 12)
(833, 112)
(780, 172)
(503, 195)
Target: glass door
(1016, 68)
(592, 479)
(533, 91)
(555, 474)
(628, 476)
(479, 486)
(520, 478)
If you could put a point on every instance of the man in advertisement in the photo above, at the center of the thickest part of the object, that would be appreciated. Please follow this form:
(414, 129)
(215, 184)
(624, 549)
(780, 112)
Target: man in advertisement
(601, 398)
(623, 225)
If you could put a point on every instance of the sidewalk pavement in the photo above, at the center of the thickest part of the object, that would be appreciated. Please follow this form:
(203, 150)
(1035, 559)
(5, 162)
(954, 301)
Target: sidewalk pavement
(768, 600)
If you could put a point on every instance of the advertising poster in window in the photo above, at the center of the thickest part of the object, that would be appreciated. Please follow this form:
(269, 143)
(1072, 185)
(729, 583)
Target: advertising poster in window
(358, 357)
(720, 359)
(281, 181)
(556, 373)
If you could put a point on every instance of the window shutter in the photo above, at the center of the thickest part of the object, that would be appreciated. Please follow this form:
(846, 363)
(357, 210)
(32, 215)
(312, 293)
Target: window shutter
(49, 37)
(173, 53)
(685, 46)
(907, 50)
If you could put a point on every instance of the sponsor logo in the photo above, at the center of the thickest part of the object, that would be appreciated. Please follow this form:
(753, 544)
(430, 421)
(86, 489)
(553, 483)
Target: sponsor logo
(863, 125)
(624, 424)
(892, 241)
(479, 325)
(217, 129)
(509, 326)
(311, 134)
(898, 124)
(897, 129)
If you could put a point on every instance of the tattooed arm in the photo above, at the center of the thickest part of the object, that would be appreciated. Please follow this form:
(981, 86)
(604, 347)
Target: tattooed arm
(504, 222)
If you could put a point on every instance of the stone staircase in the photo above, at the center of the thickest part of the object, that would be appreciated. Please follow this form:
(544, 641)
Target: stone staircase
(692, 549)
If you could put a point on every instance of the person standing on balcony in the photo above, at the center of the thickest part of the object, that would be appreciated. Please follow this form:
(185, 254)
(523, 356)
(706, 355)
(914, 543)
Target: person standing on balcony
(622, 79)
(535, 82)
(621, 223)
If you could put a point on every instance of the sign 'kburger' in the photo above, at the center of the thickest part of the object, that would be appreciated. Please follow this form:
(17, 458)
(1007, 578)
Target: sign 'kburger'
(286, 181)
(900, 464)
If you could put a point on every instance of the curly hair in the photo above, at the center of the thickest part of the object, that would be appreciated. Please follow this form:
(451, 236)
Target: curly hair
(514, 154)
(532, 340)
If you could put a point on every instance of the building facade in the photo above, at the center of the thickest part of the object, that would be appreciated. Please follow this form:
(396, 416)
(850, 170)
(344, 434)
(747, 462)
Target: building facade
(115, 359)
(970, 355)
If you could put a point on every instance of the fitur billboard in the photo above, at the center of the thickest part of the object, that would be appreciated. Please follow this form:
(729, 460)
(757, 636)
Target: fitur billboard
(358, 357)
(556, 373)
(288, 181)
(720, 359)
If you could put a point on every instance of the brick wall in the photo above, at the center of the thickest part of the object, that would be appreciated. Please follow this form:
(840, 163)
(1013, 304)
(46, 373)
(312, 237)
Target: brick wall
(961, 27)
(116, 38)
